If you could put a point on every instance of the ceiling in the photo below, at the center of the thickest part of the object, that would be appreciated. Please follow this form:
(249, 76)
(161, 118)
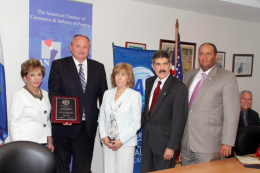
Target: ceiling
(246, 10)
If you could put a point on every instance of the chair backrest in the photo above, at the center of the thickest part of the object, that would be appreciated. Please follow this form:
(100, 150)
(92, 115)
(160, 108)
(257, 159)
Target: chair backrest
(248, 140)
(26, 157)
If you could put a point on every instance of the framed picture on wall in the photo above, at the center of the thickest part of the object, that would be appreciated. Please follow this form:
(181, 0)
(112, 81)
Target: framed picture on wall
(188, 52)
(134, 45)
(221, 59)
(243, 65)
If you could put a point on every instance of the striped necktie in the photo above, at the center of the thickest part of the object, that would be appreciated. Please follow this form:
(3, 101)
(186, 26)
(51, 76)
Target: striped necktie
(82, 77)
(83, 83)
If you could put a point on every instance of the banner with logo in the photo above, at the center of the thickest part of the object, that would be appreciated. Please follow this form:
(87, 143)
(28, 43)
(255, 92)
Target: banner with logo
(3, 108)
(141, 62)
(52, 24)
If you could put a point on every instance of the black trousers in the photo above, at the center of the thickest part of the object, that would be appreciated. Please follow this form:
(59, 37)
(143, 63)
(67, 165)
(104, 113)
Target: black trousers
(81, 148)
(151, 162)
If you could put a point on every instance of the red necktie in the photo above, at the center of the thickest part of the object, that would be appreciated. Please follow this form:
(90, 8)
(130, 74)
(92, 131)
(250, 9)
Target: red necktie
(155, 96)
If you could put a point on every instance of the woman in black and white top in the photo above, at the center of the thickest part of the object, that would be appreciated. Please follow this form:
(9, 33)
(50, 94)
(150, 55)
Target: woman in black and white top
(29, 117)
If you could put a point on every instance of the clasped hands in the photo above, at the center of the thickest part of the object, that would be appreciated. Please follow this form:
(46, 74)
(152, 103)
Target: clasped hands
(114, 145)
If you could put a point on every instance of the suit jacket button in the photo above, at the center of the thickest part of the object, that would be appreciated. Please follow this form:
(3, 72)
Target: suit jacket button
(84, 98)
(191, 110)
(45, 112)
(44, 125)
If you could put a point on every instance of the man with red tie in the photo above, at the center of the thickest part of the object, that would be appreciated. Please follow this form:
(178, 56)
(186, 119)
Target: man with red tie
(164, 119)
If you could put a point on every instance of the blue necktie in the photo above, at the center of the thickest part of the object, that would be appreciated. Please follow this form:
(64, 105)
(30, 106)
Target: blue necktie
(83, 83)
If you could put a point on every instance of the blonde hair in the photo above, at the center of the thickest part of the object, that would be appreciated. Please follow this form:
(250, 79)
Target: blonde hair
(129, 70)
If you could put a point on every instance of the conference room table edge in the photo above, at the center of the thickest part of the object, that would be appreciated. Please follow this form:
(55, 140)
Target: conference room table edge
(218, 166)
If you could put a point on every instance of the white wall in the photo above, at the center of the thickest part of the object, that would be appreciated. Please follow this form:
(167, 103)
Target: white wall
(119, 21)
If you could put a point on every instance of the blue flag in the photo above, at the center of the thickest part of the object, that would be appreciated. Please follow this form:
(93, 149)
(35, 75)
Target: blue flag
(178, 68)
(141, 62)
(3, 110)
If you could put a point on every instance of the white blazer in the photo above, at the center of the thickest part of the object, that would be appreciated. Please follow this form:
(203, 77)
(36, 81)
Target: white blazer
(29, 118)
(128, 115)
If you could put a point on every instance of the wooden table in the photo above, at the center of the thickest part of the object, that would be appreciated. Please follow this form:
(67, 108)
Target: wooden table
(231, 165)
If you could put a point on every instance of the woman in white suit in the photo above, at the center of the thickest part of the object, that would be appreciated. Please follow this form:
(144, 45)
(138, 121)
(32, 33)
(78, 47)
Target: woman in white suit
(120, 119)
(29, 117)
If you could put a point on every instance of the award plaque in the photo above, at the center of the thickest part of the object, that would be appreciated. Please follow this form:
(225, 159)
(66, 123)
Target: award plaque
(65, 109)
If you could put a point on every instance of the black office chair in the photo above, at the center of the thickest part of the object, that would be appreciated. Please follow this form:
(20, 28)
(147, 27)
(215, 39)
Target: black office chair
(26, 157)
(248, 140)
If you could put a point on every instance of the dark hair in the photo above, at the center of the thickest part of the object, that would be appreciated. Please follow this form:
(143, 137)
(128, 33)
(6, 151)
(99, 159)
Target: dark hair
(31, 64)
(129, 70)
(211, 44)
(77, 36)
(161, 54)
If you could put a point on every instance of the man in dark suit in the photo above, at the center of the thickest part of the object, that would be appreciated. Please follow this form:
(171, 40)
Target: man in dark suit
(163, 122)
(248, 117)
(84, 78)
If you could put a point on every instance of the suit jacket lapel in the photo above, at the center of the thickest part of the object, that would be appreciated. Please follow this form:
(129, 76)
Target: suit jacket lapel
(73, 69)
(162, 94)
(148, 91)
(112, 98)
(119, 101)
(125, 95)
(205, 85)
(90, 70)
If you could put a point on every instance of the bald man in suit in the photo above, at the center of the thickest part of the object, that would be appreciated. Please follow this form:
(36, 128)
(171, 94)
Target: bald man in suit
(65, 80)
(213, 117)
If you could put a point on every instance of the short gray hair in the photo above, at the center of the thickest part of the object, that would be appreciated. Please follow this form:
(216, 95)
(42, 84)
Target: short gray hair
(245, 91)
(82, 36)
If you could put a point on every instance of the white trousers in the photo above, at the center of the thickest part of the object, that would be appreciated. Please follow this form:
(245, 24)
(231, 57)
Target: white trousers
(120, 161)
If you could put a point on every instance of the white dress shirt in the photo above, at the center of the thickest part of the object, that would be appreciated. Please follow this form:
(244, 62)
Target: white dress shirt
(154, 86)
(84, 66)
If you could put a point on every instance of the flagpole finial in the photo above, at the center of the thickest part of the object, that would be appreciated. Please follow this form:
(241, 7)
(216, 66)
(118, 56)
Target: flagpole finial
(177, 24)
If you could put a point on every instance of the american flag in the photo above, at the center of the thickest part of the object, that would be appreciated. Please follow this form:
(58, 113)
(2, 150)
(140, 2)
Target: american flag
(178, 69)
